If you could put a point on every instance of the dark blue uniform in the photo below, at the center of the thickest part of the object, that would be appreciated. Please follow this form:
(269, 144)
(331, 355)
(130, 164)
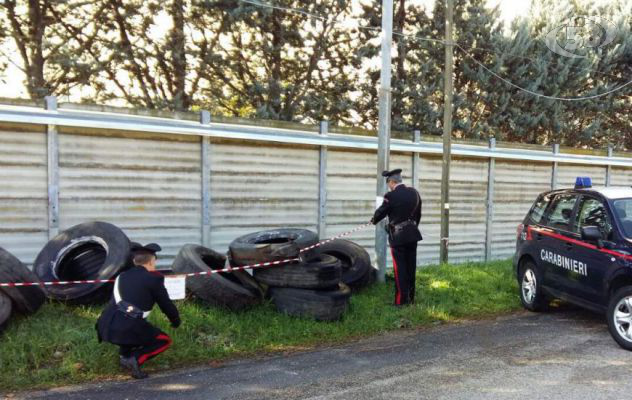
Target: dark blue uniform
(125, 323)
(403, 208)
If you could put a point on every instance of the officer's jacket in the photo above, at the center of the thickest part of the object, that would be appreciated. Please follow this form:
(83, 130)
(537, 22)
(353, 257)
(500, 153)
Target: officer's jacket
(143, 289)
(400, 205)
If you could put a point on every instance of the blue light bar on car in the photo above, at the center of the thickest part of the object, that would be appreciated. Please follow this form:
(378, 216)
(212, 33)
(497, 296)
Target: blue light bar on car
(583, 182)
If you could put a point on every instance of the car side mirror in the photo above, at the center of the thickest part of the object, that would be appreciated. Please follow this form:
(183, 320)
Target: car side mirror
(591, 233)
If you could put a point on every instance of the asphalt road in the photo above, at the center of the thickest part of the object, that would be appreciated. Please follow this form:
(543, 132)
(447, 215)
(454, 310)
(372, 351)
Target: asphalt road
(565, 354)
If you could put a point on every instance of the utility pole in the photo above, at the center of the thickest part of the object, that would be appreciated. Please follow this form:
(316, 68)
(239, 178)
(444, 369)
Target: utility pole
(384, 130)
(447, 133)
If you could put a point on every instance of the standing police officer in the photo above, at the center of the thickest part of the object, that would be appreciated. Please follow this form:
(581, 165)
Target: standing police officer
(123, 322)
(402, 205)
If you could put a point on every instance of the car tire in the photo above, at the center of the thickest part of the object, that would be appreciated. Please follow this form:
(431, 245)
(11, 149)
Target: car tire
(271, 245)
(532, 296)
(355, 260)
(321, 305)
(26, 299)
(5, 310)
(92, 250)
(235, 291)
(321, 272)
(620, 317)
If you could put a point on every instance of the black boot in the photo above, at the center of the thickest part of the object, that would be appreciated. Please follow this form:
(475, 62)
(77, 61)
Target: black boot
(132, 365)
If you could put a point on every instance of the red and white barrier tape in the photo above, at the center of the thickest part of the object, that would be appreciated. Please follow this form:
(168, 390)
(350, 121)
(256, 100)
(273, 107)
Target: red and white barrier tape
(359, 228)
(214, 271)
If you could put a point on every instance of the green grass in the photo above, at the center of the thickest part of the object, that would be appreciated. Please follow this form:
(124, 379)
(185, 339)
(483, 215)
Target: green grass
(58, 345)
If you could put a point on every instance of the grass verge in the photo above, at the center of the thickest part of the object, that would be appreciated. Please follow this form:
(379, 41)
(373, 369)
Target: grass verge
(58, 346)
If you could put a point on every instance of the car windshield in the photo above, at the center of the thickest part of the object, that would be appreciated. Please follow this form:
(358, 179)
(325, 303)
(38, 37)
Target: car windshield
(623, 212)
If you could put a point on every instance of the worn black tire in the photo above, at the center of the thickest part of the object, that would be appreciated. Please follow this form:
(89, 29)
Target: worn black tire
(5, 310)
(619, 295)
(272, 245)
(321, 272)
(26, 299)
(538, 301)
(356, 262)
(236, 290)
(321, 305)
(92, 250)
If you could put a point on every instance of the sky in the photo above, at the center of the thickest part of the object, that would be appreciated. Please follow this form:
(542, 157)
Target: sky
(11, 84)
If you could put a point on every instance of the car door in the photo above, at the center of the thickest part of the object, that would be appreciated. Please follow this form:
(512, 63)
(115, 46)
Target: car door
(597, 262)
(551, 239)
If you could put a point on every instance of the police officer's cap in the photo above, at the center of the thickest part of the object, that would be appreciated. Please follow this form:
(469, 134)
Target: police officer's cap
(388, 174)
(152, 248)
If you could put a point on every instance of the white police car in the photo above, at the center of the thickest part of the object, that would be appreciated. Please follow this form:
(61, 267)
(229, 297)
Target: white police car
(576, 245)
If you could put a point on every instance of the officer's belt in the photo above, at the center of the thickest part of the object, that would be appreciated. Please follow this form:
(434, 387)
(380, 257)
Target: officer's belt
(395, 228)
(126, 307)
(130, 310)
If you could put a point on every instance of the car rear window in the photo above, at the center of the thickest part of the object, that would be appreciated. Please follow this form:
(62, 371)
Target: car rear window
(561, 211)
(539, 207)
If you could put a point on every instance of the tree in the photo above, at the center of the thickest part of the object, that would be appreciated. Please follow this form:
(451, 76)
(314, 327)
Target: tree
(52, 58)
(528, 63)
(146, 55)
(275, 64)
(417, 84)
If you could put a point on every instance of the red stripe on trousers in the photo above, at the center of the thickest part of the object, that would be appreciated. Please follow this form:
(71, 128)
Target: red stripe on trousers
(145, 357)
(398, 294)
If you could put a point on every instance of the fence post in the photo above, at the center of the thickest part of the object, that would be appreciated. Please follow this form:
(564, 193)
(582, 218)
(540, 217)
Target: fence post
(609, 167)
(491, 167)
(415, 172)
(205, 119)
(52, 138)
(322, 183)
(556, 151)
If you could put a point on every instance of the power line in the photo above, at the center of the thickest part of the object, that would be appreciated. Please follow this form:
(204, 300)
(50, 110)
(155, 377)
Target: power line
(321, 18)
(540, 94)
(305, 13)
(310, 15)
(492, 51)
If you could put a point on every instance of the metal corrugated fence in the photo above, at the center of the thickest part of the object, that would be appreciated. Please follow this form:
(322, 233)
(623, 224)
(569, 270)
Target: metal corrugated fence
(23, 190)
(256, 186)
(175, 182)
(150, 188)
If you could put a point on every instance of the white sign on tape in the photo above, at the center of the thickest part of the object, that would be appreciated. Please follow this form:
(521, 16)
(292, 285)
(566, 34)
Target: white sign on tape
(176, 287)
(378, 201)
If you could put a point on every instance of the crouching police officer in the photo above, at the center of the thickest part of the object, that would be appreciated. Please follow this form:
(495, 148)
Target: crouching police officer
(123, 322)
(402, 205)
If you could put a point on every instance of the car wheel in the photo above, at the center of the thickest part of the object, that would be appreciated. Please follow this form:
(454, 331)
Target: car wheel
(620, 317)
(531, 294)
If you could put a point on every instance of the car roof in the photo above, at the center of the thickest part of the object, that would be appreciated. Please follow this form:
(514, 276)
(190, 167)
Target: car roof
(609, 192)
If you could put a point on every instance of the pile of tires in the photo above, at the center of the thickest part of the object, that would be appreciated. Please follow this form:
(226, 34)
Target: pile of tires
(317, 284)
(92, 250)
(21, 299)
(235, 290)
(314, 287)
